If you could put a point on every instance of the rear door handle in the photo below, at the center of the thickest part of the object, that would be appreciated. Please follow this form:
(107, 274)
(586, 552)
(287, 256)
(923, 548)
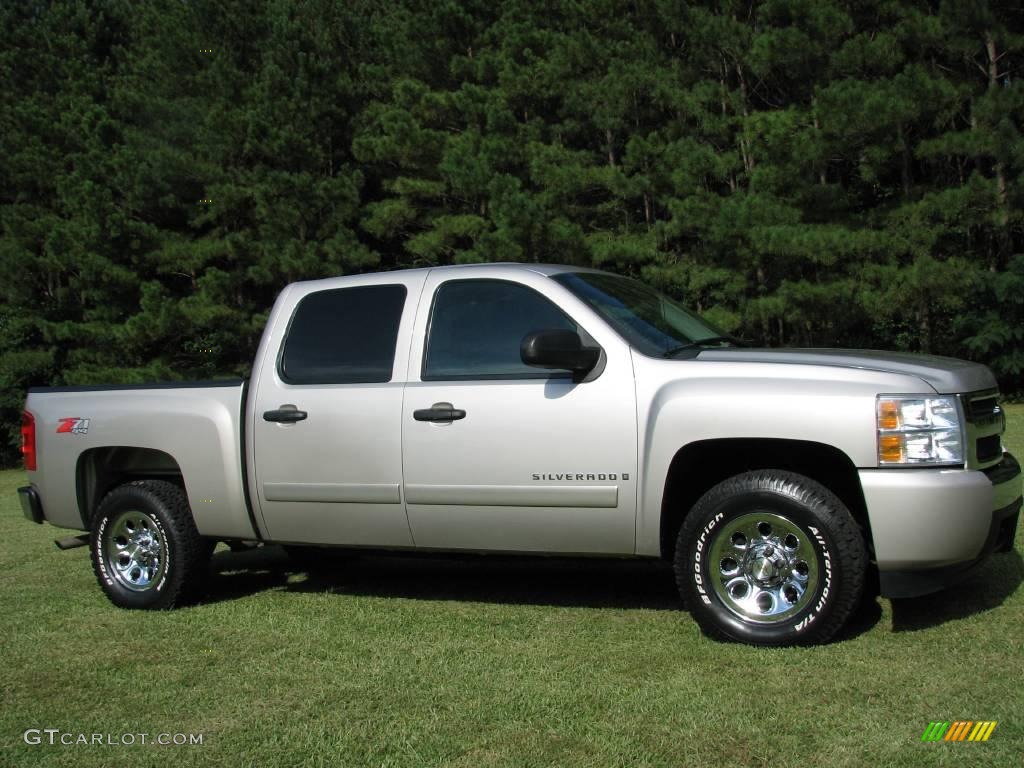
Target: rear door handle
(439, 412)
(286, 414)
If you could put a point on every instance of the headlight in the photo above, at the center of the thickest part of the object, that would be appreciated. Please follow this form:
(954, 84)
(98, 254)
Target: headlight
(919, 430)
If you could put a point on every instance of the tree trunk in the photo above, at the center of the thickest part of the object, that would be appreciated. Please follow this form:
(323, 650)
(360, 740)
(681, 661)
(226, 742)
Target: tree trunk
(762, 290)
(993, 83)
(1002, 244)
(822, 180)
(904, 160)
(747, 151)
(925, 326)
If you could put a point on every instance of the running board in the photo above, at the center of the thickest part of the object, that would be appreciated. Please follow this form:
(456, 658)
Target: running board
(70, 542)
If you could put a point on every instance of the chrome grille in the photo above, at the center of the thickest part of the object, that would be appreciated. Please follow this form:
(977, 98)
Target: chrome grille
(984, 429)
(982, 409)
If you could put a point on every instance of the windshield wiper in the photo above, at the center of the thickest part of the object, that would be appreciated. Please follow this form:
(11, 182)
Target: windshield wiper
(701, 343)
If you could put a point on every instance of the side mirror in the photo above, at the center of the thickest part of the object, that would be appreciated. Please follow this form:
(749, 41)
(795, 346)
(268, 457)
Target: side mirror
(559, 349)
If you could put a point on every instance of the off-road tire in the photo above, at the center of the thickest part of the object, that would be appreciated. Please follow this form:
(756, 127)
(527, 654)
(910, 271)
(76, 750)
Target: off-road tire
(770, 558)
(145, 549)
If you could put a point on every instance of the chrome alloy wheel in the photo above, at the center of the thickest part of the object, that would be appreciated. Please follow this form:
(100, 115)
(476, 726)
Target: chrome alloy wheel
(763, 567)
(135, 550)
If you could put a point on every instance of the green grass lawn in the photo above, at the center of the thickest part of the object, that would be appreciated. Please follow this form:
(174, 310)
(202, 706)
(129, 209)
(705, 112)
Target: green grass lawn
(489, 661)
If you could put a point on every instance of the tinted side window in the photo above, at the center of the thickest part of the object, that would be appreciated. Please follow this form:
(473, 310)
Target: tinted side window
(343, 336)
(477, 327)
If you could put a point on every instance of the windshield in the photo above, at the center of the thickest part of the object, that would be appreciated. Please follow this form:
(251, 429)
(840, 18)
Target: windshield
(650, 321)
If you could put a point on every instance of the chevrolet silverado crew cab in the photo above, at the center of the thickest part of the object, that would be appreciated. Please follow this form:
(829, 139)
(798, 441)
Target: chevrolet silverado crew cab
(544, 410)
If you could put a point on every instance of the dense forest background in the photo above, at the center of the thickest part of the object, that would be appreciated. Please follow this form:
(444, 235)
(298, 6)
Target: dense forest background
(804, 172)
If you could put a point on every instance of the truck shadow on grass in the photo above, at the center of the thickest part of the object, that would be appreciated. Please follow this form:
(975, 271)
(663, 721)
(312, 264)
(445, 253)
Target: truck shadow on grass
(556, 581)
(541, 581)
(987, 587)
(561, 581)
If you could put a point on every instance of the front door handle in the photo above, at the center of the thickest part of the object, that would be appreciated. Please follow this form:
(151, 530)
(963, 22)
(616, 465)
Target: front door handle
(286, 414)
(439, 412)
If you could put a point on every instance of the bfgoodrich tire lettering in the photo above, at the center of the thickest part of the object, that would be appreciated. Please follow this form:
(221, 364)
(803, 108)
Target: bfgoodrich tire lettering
(770, 558)
(146, 551)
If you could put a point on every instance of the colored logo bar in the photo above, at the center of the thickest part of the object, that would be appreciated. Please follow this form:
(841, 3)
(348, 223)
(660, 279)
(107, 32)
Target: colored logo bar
(958, 730)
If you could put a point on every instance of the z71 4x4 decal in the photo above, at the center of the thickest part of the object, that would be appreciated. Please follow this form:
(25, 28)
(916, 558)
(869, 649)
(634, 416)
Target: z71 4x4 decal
(72, 426)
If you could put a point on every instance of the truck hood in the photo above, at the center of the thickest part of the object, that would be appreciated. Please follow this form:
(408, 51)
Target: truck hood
(947, 375)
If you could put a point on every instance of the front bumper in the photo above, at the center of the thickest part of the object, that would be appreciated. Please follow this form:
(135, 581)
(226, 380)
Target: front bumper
(930, 527)
(31, 506)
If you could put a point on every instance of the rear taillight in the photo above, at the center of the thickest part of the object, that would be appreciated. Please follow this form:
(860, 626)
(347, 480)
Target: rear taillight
(28, 440)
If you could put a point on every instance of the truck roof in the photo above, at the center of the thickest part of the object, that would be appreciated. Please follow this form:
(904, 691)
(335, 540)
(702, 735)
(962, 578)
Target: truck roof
(542, 269)
(491, 269)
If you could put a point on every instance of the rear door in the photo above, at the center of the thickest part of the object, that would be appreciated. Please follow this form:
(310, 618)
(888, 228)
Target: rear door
(326, 416)
(535, 462)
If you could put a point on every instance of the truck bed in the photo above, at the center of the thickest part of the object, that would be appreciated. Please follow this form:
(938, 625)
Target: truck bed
(89, 436)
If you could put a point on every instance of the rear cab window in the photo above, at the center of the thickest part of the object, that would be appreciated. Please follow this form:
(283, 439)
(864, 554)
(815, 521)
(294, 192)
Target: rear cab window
(343, 336)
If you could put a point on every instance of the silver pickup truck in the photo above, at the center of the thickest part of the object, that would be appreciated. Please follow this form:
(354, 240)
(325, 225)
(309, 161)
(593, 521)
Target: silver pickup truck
(541, 409)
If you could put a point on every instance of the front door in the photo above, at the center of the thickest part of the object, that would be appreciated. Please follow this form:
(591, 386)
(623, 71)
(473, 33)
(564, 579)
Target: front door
(530, 460)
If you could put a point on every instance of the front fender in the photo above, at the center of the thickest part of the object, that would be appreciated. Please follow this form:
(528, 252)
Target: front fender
(694, 400)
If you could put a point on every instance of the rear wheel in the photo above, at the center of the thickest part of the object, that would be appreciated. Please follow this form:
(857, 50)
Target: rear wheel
(146, 551)
(770, 558)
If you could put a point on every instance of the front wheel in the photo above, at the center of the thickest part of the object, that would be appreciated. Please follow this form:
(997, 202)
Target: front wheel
(770, 558)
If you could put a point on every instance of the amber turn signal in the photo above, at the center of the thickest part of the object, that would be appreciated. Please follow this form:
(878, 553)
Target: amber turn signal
(888, 414)
(890, 448)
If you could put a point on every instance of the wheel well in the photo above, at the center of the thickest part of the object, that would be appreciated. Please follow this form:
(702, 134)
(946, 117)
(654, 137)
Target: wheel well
(698, 467)
(100, 470)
